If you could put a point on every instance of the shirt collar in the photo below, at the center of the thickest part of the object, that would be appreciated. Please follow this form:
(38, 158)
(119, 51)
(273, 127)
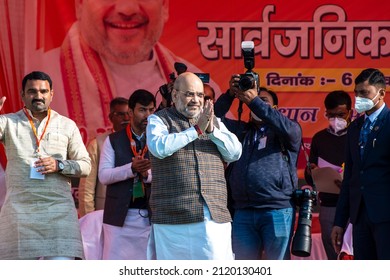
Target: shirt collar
(375, 114)
(139, 137)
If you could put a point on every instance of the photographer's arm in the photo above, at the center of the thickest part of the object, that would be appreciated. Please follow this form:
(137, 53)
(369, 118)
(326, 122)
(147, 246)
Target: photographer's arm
(223, 103)
(288, 130)
(166, 99)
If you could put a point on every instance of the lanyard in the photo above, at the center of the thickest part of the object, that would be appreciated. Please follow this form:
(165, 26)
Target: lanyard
(133, 145)
(138, 184)
(37, 141)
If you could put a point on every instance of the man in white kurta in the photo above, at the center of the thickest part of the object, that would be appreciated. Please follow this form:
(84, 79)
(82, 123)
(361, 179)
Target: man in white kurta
(188, 146)
(44, 149)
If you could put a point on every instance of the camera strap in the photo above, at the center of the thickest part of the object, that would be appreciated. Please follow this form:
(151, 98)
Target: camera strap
(286, 158)
(239, 111)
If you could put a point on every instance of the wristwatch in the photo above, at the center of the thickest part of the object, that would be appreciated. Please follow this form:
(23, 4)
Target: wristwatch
(60, 166)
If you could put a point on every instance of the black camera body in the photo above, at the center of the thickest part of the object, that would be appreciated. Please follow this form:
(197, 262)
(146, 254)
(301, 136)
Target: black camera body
(165, 91)
(248, 80)
(301, 244)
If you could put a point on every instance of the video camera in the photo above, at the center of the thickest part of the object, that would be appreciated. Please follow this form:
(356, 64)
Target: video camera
(301, 244)
(247, 80)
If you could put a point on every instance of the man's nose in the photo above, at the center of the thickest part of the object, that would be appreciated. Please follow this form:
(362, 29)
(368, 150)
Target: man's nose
(127, 7)
(39, 95)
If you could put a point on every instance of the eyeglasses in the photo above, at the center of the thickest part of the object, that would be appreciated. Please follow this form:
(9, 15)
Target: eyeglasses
(121, 114)
(192, 94)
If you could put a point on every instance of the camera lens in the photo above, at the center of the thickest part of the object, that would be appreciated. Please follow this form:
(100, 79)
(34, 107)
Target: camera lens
(246, 82)
(301, 244)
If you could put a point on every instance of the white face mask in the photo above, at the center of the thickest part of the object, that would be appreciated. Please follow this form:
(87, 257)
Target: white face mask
(255, 117)
(363, 104)
(338, 124)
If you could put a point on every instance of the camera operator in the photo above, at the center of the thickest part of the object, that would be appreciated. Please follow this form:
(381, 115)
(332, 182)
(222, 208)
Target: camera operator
(263, 180)
(166, 99)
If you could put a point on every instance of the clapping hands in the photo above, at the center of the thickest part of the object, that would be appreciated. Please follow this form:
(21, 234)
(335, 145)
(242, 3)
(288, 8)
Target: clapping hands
(205, 121)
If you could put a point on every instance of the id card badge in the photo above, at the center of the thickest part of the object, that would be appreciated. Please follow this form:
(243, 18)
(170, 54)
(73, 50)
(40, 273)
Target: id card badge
(34, 174)
(138, 189)
(262, 143)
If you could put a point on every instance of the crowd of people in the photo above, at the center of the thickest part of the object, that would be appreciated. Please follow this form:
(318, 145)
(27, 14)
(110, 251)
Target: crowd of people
(186, 182)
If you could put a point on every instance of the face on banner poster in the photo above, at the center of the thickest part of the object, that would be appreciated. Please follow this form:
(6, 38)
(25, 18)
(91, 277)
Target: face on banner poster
(302, 52)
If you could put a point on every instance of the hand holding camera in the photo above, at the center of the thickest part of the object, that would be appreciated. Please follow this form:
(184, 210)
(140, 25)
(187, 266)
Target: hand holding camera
(233, 85)
(248, 83)
(246, 96)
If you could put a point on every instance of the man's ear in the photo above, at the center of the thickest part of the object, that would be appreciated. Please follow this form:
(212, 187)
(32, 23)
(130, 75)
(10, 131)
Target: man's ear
(174, 94)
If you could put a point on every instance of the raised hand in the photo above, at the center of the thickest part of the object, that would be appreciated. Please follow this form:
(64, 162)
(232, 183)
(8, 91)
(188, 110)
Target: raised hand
(205, 117)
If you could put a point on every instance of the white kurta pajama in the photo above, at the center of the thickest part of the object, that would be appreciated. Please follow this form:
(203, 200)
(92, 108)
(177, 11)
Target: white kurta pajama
(39, 217)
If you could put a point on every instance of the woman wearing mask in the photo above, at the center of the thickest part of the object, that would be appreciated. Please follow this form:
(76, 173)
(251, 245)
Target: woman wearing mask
(328, 149)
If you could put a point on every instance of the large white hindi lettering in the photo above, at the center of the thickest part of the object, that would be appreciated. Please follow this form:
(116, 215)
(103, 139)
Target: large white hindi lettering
(223, 39)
